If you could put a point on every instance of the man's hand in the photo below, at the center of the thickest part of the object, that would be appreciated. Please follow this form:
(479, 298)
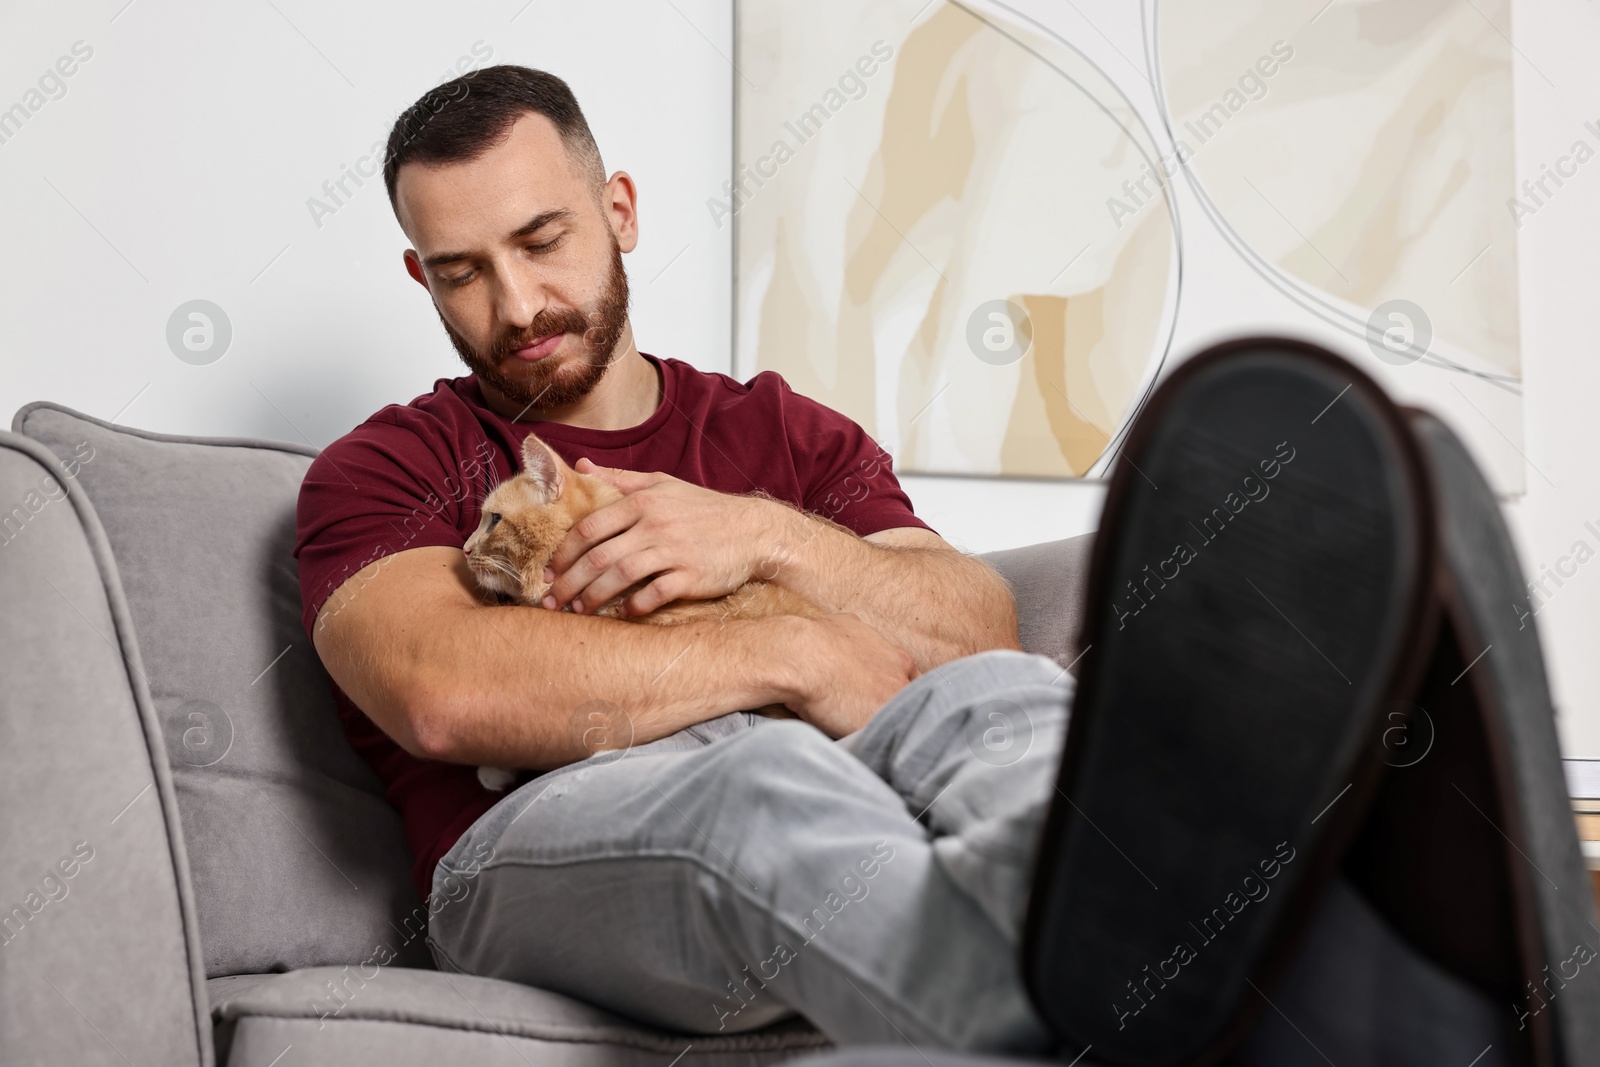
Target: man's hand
(697, 542)
(847, 671)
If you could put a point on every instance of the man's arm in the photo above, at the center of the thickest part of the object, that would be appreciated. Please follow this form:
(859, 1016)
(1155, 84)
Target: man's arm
(908, 584)
(450, 677)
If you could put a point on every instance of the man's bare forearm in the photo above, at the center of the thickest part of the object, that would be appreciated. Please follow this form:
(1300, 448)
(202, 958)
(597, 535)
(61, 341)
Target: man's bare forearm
(465, 682)
(936, 603)
(586, 684)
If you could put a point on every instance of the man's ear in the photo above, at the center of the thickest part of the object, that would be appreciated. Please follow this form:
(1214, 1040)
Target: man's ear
(620, 199)
(414, 268)
(540, 463)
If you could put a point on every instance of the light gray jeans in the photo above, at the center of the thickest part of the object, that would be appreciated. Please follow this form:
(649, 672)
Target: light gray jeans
(748, 869)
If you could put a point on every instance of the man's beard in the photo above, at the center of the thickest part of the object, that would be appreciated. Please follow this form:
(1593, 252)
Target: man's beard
(546, 383)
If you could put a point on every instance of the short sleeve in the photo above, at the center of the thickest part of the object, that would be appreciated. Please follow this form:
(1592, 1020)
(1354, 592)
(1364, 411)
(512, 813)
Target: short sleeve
(376, 491)
(845, 476)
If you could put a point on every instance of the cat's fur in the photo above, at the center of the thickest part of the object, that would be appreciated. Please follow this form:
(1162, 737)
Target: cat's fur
(525, 519)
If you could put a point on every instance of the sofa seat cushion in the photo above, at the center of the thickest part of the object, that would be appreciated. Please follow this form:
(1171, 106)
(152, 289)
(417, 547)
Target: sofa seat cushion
(398, 1015)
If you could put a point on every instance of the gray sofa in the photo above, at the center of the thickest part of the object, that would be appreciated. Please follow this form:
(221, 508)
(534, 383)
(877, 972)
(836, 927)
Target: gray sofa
(195, 866)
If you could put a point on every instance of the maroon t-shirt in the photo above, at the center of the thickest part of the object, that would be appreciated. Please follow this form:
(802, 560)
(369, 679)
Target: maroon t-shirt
(413, 476)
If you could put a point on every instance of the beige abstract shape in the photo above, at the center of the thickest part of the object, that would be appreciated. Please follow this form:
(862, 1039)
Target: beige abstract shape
(1378, 162)
(977, 164)
(1082, 391)
(1066, 431)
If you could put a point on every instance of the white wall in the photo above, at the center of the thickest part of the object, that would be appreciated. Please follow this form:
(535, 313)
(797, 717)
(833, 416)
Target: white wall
(179, 162)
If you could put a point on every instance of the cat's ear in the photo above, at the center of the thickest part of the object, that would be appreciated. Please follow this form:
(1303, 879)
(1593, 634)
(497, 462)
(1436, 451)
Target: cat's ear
(540, 463)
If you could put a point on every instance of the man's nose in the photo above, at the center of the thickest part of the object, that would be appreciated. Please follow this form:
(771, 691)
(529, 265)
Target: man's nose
(521, 297)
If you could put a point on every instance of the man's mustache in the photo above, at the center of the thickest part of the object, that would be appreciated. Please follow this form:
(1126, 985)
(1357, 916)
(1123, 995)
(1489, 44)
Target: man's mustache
(515, 339)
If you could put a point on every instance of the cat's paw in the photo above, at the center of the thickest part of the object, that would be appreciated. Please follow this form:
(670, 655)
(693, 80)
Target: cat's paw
(495, 779)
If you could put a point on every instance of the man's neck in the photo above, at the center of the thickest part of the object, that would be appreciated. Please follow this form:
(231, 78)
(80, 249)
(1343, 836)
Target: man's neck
(629, 394)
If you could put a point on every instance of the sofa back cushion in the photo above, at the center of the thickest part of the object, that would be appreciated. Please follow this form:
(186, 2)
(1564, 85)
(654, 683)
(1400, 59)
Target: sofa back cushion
(1049, 581)
(296, 858)
(94, 896)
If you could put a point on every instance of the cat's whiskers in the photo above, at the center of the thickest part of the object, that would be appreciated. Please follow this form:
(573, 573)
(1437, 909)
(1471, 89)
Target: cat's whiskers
(500, 563)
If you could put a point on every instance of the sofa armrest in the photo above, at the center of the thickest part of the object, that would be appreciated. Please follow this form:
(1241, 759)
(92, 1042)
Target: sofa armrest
(98, 930)
(1049, 581)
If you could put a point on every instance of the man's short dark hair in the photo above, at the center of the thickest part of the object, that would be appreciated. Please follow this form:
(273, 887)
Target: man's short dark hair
(465, 117)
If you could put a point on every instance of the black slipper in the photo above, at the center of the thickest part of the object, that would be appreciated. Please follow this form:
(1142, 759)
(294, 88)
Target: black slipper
(1260, 595)
(1471, 850)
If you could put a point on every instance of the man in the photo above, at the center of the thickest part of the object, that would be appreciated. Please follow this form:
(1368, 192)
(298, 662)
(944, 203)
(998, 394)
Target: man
(873, 866)
(518, 236)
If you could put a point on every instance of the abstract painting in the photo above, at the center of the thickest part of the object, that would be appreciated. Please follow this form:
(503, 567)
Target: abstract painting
(955, 226)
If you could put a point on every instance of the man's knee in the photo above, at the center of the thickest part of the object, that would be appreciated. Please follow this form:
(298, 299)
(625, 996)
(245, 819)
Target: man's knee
(993, 701)
(755, 755)
(781, 766)
(972, 678)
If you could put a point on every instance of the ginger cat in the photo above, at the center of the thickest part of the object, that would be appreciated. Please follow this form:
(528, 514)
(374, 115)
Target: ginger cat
(525, 519)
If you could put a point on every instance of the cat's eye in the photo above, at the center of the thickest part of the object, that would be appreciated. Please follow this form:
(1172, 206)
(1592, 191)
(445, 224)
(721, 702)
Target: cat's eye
(494, 517)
